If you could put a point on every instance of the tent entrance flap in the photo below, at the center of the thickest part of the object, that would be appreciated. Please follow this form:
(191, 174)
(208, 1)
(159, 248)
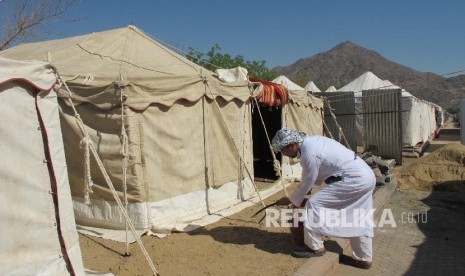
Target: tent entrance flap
(263, 159)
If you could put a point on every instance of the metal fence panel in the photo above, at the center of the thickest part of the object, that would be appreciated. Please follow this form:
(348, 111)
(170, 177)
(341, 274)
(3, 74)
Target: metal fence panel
(342, 105)
(383, 123)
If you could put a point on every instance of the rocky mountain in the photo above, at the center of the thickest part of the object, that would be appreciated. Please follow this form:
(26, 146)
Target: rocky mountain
(347, 61)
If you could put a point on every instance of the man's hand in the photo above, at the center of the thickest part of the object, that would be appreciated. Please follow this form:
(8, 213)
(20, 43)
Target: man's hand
(284, 201)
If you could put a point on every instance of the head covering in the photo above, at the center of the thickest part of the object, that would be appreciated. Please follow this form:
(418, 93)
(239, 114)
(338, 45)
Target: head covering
(286, 137)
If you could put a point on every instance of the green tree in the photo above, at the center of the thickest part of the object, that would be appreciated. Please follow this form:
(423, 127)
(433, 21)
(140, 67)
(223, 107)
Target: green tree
(214, 59)
(453, 110)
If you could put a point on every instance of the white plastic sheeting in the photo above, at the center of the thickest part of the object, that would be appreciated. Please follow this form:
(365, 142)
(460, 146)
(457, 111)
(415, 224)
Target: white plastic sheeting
(236, 74)
(418, 120)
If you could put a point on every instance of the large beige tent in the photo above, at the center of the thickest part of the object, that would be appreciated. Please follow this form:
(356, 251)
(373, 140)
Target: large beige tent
(171, 132)
(38, 235)
(186, 134)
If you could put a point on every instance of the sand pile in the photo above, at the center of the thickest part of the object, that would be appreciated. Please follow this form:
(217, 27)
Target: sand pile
(441, 170)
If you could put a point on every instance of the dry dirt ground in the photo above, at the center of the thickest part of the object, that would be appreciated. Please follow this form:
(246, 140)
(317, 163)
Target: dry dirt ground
(235, 245)
(240, 245)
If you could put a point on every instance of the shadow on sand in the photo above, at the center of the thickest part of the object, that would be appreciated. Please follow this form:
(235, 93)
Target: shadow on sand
(262, 239)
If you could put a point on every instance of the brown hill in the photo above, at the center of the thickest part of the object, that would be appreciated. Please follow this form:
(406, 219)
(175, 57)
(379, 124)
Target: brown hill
(347, 61)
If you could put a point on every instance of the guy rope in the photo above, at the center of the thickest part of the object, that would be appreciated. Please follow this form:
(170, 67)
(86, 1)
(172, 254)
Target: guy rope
(88, 146)
(341, 132)
(205, 81)
(276, 164)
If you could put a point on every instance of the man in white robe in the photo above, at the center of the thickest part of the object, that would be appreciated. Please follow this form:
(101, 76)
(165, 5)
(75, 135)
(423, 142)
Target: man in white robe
(344, 207)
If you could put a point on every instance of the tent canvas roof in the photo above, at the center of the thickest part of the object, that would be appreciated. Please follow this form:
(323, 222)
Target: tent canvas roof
(367, 81)
(290, 85)
(127, 56)
(331, 89)
(311, 87)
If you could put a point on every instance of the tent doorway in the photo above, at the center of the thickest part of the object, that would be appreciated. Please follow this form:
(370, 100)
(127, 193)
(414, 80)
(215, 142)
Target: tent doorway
(263, 159)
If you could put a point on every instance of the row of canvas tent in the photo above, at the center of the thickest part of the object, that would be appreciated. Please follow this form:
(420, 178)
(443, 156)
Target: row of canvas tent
(310, 87)
(419, 119)
(175, 141)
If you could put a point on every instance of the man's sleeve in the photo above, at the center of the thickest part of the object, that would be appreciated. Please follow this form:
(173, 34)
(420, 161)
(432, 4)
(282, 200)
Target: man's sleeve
(310, 168)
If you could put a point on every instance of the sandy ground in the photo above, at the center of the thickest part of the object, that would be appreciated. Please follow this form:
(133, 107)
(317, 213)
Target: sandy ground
(232, 246)
(240, 245)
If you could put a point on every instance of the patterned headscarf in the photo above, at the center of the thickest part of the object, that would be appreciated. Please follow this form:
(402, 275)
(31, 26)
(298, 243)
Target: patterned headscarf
(286, 137)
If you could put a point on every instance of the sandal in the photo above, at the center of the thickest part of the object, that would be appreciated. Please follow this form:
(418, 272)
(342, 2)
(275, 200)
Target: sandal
(347, 260)
(305, 252)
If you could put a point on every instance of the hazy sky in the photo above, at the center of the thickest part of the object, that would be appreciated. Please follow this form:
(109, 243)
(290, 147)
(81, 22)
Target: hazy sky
(426, 35)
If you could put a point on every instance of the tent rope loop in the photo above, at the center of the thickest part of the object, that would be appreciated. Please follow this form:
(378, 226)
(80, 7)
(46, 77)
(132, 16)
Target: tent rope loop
(88, 78)
(85, 144)
(125, 144)
(204, 80)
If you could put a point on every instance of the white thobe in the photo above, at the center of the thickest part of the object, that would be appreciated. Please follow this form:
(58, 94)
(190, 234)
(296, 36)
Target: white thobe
(342, 208)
